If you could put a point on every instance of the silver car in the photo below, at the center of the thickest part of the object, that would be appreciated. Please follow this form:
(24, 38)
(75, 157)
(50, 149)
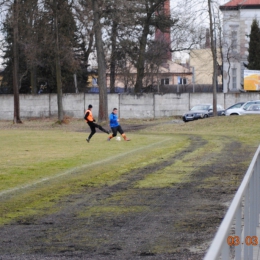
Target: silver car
(233, 108)
(241, 110)
(252, 110)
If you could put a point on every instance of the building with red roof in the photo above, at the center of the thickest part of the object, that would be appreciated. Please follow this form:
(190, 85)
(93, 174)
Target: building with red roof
(236, 4)
(237, 20)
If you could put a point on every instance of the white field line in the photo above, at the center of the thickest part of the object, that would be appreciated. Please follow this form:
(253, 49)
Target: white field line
(79, 168)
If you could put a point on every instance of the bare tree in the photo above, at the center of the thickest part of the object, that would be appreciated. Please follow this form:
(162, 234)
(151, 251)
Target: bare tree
(17, 118)
(113, 55)
(31, 41)
(147, 20)
(213, 50)
(147, 17)
(85, 33)
(12, 12)
(103, 109)
(112, 15)
(219, 26)
(57, 61)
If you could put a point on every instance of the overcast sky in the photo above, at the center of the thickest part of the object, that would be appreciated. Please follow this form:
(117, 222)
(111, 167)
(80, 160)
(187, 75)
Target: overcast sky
(200, 7)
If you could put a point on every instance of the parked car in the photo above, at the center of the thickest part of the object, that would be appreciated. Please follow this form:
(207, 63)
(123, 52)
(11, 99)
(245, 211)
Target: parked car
(202, 111)
(252, 110)
(233, 108)
(241, 110)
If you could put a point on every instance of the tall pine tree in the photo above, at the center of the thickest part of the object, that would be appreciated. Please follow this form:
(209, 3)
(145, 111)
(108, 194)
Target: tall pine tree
(254, 47)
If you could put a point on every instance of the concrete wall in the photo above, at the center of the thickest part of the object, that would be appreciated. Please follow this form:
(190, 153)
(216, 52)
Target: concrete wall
(130, 106)
(171, 104)
(136, 106)
(73, 105)
(231, 99)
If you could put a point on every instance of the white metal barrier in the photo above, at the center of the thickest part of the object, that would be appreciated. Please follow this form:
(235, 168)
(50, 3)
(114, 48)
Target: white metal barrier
(244, 214)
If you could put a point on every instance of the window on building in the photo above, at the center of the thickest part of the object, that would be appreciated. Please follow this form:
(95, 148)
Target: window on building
(234, 40)
(165, 81)
(234, 78)
(182, 81)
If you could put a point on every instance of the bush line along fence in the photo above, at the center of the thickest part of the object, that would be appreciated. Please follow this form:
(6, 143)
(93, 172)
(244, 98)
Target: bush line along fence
(152, 105)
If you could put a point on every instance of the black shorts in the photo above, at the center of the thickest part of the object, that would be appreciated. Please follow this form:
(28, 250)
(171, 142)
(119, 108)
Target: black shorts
(117, 129)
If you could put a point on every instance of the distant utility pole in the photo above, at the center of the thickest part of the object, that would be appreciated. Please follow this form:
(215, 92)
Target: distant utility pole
(214, 55)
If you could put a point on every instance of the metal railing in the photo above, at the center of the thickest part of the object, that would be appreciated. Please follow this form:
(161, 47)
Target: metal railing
(236, 236)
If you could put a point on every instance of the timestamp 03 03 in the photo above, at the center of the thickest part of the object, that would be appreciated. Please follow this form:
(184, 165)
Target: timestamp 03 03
(249, 241)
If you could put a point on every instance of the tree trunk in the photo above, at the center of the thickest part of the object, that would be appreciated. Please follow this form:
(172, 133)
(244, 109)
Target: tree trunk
(113, 57)
(16, 64)
(59, 88)
(75, 82)
(33, 79)
(33, 36)
(90, 46)
(103, 110)
(141, 58)
(213, 50)
(221, 52)
(58, 67)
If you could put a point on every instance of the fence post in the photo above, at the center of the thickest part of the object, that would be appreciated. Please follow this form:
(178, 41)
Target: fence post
(225, 250)
(252, 211)
(238, 232)
(257, 188)
(246, 221)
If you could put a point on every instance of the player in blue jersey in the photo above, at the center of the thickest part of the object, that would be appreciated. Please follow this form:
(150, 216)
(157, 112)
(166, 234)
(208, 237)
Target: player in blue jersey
(115, 126)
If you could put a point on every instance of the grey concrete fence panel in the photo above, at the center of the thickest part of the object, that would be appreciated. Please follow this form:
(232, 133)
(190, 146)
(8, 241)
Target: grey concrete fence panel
(146, 105)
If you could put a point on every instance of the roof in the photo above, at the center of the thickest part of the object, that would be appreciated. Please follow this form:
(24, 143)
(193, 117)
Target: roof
(241, 4)
(173, 68)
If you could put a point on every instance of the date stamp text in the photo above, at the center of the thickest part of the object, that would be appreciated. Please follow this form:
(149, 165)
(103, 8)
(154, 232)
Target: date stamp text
(249, 241)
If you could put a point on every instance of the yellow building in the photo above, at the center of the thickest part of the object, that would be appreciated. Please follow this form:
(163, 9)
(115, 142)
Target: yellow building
(202, 62)
(169, 73)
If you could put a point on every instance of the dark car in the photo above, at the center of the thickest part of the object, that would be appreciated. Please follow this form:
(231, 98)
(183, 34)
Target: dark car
(202, 111)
